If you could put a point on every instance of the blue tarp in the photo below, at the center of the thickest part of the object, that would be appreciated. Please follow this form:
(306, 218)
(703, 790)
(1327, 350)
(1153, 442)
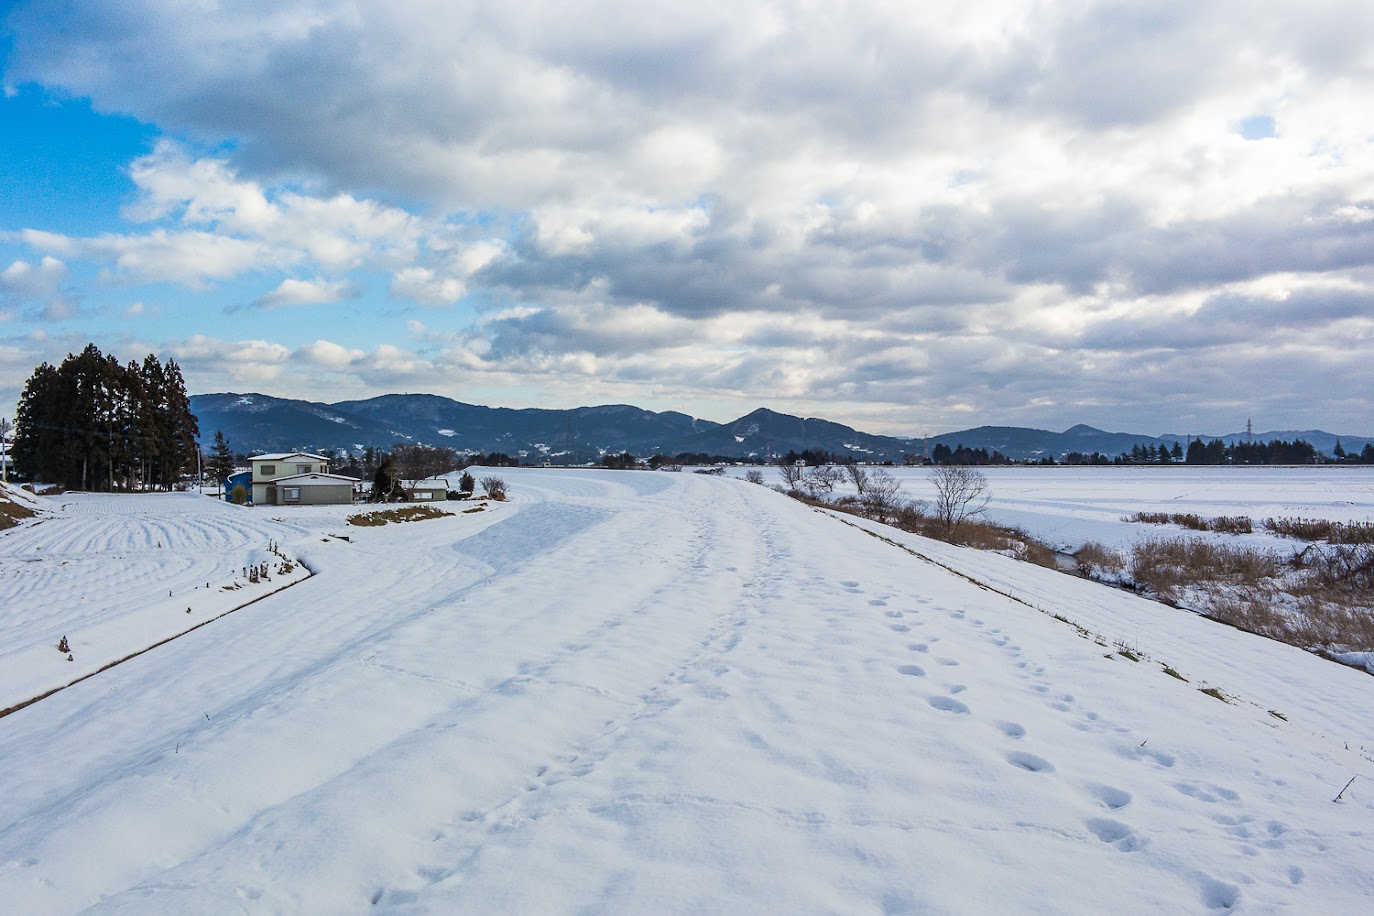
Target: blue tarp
(246, 479)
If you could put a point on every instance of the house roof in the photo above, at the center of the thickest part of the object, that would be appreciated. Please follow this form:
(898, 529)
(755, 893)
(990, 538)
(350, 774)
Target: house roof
(428, 483)
(314, 480)
(286, 455)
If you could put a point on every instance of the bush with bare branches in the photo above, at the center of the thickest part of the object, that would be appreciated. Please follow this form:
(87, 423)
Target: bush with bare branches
(961, 492)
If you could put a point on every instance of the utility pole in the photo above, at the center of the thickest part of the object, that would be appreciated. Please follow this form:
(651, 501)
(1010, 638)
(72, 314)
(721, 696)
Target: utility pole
(5, 427)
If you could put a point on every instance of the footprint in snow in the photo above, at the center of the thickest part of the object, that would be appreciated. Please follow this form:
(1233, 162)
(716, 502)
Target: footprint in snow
(948, 704)
(1030, 762)
(893, 614)
(918, 647)
(1012, 729)
(1110, 797)
(877, 602)
(912, 670)
(1218, 895)
(1210, 794)
(899, 627)
(1120, 835)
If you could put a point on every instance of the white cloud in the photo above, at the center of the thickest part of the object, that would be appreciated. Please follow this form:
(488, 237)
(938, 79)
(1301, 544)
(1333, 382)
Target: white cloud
(34, 281)
(330, 355)
(995, 205)
(292, 291)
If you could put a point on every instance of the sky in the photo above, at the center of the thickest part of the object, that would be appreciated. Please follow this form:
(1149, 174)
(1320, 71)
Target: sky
(910, 218)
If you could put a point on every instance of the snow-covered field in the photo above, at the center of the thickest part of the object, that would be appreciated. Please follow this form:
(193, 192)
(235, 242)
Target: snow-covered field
(640, 692)
(1069, 506)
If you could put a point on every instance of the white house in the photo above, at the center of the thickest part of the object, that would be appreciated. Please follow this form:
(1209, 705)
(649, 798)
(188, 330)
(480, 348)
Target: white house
(298, 478)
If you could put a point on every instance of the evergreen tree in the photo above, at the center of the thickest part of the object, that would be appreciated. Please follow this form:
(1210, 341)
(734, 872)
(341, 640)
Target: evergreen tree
(91, 423)
(221, 464)
(182, 433)
(386, 485)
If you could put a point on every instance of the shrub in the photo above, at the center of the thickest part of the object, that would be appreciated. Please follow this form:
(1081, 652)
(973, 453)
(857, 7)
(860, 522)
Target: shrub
(1227, 524)
(1094, 559)
(1169, 565)
(466, 483)
(239, 495)
(1317, 529)
(495, 488)
(754, 475)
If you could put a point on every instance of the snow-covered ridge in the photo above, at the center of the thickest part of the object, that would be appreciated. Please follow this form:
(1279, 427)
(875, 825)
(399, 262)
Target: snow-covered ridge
(646, 692)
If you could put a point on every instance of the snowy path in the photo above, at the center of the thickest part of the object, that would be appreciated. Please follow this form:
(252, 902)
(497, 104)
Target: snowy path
(642, 692)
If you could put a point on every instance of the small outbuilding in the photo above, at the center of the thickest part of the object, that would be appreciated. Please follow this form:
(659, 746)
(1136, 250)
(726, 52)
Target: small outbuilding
(311, 490)
(420, 491)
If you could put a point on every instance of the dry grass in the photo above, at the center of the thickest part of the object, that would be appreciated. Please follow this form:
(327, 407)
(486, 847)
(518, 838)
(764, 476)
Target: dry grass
(1318, 529)
(1226, 524)
(980, 535)
(1321, 598)
(401, 514)
(1093, 558)
(1167, 565)
(12, 513)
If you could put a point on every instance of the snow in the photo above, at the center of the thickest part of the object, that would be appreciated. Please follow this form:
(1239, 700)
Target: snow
(646, 692)
(1069, 506)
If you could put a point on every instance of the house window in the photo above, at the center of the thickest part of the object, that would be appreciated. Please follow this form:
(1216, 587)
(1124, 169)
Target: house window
(303, 469)
(421, 494)
(291, 494)
(269, 470)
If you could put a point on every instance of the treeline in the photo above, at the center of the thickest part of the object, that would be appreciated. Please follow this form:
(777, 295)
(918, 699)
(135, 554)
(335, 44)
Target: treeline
(417, 462)
(91, 423)
(943, 454)
(1275, 451)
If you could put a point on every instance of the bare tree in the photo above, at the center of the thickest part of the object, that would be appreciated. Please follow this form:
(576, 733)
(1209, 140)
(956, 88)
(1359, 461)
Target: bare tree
(961, 492)
(881, 494)
(858, 477)
(821, 478)
(495, 488)
(791, 475)
(754, 475)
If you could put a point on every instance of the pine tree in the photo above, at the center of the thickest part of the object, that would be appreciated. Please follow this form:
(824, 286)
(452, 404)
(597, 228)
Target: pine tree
(385, 484)
(183, 432)
(221, 458)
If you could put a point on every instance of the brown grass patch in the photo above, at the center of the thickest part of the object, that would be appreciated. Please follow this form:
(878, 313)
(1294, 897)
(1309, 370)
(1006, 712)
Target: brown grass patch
(1321, 598)
(12, 513)
(401, 514)
(1094, 559)
(1226, 524)
(1318, 529)
(1168, 565)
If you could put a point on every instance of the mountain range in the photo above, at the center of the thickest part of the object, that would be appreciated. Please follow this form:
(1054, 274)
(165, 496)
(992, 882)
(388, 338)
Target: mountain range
(260, 423)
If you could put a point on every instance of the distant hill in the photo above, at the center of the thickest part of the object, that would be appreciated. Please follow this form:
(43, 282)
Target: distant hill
(259, 422)
(768, 432)
(1019, 442)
